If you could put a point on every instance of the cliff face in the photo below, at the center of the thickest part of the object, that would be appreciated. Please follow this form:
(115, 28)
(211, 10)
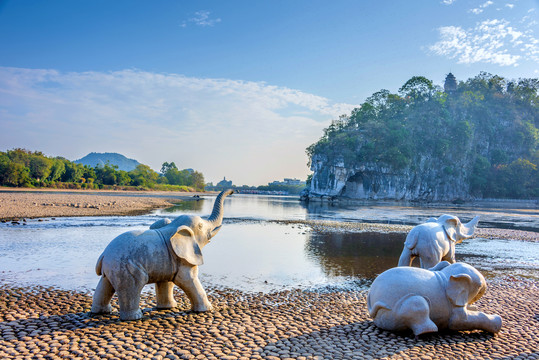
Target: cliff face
(372, 182)
(422, 144)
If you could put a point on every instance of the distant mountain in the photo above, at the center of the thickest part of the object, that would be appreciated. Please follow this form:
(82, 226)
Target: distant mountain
(123, 163)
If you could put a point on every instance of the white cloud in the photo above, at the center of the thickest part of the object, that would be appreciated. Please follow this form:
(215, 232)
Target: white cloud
(201, 18)
(448, 2)
(510, 6)
(250, 132)
(481, 7)
(490, 41)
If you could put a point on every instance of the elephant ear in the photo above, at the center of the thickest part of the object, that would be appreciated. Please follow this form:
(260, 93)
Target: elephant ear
(185, 246)
(457, 289)
(450, 227)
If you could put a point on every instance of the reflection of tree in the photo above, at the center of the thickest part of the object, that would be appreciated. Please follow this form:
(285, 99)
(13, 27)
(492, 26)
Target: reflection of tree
(355, 254)
(186, 205)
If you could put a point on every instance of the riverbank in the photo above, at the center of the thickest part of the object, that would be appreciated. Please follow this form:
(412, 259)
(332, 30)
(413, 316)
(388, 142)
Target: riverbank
(20, 204)
(48, 323)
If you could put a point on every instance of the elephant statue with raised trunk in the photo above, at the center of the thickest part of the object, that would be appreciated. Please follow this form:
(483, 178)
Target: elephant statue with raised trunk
(427, 300)
(168, 253)
(435, 240)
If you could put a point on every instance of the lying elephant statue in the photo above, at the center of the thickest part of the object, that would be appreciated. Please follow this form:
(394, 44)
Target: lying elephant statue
(167, 254)
(427, 300)
(435, 240)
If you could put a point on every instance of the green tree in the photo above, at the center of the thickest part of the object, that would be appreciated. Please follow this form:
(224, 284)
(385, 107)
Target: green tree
(40, 167)
(143, 175)
(57, 169)
(73, 172)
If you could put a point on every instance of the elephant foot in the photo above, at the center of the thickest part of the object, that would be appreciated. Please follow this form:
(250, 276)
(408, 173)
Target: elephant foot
(426, 327)
(130, 315)
(415, 313)
(167, 305)
(495, 324)
(202, 308)
(99, 309)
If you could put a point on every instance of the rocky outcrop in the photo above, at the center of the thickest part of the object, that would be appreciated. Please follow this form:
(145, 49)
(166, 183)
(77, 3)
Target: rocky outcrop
(427, 182)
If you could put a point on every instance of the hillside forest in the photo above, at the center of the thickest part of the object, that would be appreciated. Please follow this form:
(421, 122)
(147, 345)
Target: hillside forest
(24, 168)
(484, 131)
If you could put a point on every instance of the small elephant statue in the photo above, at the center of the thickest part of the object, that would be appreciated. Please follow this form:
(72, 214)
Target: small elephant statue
(435, 240)
(427, 300)
(167, 254)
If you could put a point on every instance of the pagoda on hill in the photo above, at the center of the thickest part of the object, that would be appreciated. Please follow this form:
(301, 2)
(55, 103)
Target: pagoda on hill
(450, 85)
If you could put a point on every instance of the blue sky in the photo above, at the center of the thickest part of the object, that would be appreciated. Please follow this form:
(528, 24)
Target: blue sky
(232, 88)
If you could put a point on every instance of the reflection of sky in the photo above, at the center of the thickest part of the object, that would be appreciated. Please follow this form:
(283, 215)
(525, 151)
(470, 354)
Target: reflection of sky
(245, 255)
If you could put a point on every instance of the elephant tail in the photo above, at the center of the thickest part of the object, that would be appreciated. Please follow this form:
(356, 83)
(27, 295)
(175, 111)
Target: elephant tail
(411, 239)
(98, 265)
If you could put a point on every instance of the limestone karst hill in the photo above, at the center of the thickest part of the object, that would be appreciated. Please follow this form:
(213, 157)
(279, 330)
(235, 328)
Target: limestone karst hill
(478, 139)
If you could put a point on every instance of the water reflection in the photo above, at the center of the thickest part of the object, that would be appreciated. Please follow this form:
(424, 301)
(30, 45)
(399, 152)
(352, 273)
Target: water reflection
(267, 207)
(252, 254)
(363, 255)
(190, 206)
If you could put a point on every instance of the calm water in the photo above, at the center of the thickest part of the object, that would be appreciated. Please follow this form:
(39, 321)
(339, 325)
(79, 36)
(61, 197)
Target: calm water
(252, 254)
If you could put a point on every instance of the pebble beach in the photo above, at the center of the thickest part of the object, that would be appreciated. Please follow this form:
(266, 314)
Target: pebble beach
(48, 323)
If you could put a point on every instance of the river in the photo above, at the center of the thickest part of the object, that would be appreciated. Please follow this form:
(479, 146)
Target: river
(253, 253)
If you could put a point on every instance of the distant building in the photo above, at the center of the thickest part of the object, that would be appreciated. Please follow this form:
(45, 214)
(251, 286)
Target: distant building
(224, 183)
(450, 84)
(288, 182)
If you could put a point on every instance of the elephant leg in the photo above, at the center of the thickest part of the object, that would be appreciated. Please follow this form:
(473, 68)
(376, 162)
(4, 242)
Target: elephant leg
(187, 280)
(129, 300)
(450, 256)
(471, 320)
(102, 296)
(406, 257)
(165, 295)
(429, 259)
(414, 312)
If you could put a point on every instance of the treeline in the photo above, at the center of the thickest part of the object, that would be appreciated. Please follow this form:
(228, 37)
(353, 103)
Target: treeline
(23, 168)
(485, 132)
(288, 189)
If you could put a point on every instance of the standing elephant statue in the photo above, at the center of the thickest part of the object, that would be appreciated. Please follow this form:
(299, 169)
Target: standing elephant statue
(435, 240)
(427, 300)
(167, 254)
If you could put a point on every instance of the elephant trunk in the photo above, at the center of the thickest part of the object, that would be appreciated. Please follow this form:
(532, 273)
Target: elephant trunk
(466, 230)
(216, 217)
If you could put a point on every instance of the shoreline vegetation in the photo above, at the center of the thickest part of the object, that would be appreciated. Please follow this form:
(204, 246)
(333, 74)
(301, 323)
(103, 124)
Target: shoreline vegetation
(39, 322)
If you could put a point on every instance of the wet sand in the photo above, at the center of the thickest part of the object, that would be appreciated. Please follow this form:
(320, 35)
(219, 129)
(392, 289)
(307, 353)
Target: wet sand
(19, 204)
(54, 324)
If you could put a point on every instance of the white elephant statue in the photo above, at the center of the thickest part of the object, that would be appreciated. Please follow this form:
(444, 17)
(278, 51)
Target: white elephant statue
(427, 300)
(167, 254)
(435, 240)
